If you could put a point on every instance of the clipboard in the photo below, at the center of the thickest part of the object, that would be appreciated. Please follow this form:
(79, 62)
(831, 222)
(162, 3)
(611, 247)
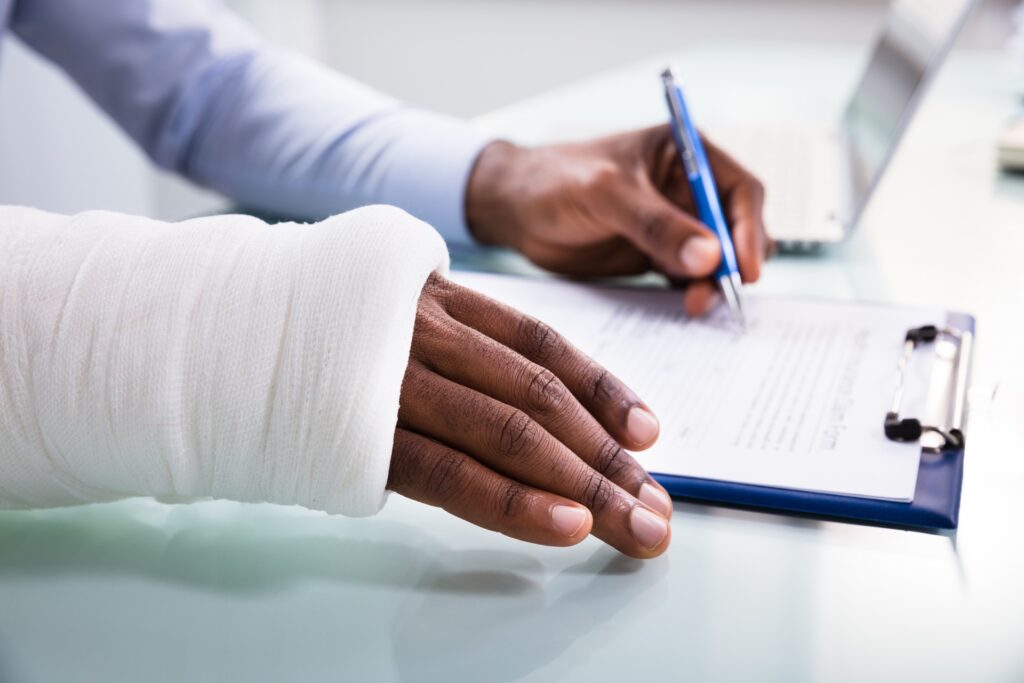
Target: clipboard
(936, 503)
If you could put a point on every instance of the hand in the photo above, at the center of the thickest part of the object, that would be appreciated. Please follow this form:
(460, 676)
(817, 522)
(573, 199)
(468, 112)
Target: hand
(507, 425)
(619, 205)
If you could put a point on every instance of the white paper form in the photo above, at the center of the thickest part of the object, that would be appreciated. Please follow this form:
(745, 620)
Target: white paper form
(797, 401)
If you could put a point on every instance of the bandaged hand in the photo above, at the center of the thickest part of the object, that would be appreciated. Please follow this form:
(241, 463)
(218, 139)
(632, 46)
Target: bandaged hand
(505, 424)
(218, 357)
(225, 358)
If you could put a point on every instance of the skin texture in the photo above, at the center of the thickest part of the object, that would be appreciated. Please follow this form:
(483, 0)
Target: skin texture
(503, 422)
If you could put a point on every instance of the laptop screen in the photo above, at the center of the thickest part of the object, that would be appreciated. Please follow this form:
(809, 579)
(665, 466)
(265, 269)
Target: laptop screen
(914, 41)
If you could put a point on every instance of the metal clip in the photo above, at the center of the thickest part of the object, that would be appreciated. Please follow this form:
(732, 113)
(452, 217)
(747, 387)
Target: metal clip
(911, 429)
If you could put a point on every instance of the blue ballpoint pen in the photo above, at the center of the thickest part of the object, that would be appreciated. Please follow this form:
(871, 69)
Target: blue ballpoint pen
(705, 191)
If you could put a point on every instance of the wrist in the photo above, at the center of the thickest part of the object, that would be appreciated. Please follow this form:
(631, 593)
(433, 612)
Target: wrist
(490, 206)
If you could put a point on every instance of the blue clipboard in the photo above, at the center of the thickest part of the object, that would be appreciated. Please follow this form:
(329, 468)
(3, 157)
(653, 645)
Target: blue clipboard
(936, 503)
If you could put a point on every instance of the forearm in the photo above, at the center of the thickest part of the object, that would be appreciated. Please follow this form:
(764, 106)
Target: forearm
(206, 97)
(217, 357)
(288, 135)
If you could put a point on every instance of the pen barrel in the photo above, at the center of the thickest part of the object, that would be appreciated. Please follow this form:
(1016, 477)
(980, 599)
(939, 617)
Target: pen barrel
(709, 210)
(698, 172)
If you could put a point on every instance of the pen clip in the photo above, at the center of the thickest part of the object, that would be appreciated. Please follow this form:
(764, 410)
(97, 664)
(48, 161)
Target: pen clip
(673, 95)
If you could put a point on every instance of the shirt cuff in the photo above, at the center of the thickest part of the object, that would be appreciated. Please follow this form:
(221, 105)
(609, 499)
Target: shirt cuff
(429, 168)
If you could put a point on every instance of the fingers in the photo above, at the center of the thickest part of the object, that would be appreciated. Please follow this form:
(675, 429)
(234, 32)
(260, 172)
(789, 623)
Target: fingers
(434, 474)
(474, 360)
(701, 297)
(507, 441)
(744, 207)
(622, 414)
(678, 243)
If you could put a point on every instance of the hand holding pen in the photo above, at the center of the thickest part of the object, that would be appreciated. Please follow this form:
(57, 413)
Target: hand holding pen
(704, 188)
(616, 205)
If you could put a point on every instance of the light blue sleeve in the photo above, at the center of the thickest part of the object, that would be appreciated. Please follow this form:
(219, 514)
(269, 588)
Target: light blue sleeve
(206, 97)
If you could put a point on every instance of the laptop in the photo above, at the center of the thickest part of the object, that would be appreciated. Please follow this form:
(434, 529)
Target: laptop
(818, 181)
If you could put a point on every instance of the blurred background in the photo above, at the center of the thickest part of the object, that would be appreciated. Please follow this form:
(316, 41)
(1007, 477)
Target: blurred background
(464, 57)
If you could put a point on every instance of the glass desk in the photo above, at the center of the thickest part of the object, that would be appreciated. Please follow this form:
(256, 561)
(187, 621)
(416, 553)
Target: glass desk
(138, 590)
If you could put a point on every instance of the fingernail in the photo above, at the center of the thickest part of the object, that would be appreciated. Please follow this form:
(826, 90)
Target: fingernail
(656, 499)
(641, 425)
(568, 520)
(699, 255)
(648, 528)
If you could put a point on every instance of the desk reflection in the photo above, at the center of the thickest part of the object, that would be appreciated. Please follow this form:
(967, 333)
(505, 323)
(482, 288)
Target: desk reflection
(263, 592)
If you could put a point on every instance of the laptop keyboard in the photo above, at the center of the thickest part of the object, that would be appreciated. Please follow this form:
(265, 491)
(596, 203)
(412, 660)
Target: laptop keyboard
(798, 168)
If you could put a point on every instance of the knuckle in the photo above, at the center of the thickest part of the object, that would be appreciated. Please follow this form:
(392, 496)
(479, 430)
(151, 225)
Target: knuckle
(756, 187)
(603, 177)
(429, 324)
(436, 285)
(611, 460)
(545, 394)
(516, 435)
(654, 226)
(443, 478)
(443, 290)
(513, 499)
(603, 386)
(597, 492)
(539, 340)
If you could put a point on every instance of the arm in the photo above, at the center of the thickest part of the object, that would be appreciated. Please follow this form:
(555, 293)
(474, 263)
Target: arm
(206, 97)
(220, 357)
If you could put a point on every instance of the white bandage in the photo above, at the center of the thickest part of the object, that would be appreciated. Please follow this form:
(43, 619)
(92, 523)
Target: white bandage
(218, 357)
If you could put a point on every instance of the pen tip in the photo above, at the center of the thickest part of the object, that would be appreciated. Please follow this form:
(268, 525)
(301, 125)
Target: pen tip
(731, 289)
(739, 318)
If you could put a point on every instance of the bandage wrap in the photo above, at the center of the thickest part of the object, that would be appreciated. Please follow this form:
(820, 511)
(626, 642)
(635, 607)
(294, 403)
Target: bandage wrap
(218, 357)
